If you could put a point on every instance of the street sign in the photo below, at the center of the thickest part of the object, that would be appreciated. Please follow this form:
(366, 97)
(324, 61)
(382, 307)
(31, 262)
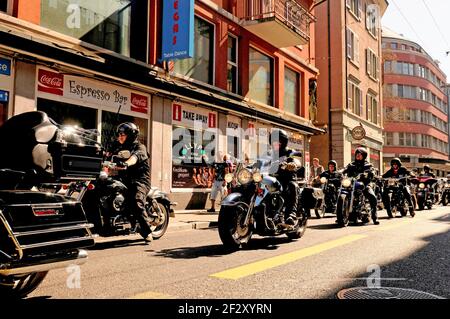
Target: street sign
(358, 132)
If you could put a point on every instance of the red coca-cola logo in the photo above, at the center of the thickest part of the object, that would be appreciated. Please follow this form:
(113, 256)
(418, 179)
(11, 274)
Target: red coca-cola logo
(50, 82)
(139, 103)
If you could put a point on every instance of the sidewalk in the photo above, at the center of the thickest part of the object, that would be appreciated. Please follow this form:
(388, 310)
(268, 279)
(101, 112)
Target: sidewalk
(192, 219)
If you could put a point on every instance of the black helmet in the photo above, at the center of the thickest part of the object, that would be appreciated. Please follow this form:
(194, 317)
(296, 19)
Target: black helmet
(280, 136)
(362, 151)
(396, 160)
(426, 167)
(130, 129)
(334, 163)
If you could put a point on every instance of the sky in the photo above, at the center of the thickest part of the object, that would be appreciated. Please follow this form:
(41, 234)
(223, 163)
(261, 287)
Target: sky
(426, 22)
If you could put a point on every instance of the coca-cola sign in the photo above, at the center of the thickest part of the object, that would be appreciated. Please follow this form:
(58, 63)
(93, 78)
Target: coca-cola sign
(50, 82)
(139, 103)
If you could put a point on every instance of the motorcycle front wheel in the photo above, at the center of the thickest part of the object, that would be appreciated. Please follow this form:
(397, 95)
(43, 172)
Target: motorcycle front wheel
(342, 211)
(20, 286)
(232, 230)
(159, 230)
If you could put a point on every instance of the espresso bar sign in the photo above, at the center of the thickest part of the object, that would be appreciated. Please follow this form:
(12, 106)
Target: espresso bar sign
(93, 92)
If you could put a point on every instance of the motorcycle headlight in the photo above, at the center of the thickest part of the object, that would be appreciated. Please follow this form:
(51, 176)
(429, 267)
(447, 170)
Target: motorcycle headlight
(257, 177)
(346, 182)
(421, 185)
(244, 176)
(323, 180)
(229, 177)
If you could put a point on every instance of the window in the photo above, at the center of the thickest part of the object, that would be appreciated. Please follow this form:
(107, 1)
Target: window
(291, 91)
(389, 138)
(355, 7)
(260, 77)
(200, 66)
(3, 5)
(116, 25)
(372, 64)
(372, 109)
(232, 65)
(371, 20)
(393, 45)
(388, 66)
(352, 46)
(354, 102)
(110, 121)
(401, 138)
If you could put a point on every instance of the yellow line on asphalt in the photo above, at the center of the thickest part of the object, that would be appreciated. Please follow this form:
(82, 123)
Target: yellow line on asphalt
(151, 295)
(399, 224)
(259, 266)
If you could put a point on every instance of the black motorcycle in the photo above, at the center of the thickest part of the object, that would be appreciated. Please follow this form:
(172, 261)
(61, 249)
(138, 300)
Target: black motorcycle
(352, 204)
(327, 198)
(378, 190)
(394, 189)
(445, 198)
(107, 204)
(256, 205)
(424, 191)
(41, 229)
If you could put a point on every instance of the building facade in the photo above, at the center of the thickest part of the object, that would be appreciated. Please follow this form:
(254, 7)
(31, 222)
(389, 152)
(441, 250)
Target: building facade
(348, 54)
(98, 63)
(415, 106)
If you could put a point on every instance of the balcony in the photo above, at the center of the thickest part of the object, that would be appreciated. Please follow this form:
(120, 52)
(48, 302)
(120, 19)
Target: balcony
(282, 23)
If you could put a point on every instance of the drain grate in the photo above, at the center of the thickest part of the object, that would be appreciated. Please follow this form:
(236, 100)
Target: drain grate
(384, 293)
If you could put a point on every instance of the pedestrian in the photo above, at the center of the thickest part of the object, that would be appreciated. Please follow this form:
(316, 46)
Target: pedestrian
(221, 168)
(316, 169)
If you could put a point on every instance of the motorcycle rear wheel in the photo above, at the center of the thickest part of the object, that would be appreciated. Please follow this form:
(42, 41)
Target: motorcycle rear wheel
(299, 229)
(19, 287)
(231, 231)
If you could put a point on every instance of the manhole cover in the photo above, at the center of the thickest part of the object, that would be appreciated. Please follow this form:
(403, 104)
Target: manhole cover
(384, 293)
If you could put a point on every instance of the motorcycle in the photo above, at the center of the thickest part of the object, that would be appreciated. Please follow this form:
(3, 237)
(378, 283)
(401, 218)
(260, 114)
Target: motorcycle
(256, 205)
(108, 204)
(352, 204)
(40, 229)
(445, 199)
(424, 191)
(379, 192)
(393, 187)
(328, 201)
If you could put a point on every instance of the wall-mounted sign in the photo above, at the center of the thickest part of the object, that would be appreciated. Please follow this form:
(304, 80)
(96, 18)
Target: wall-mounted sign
(193, 116)
(4, 96)
(178, 29)
(93, 92)
(5, 66)
(358, 132)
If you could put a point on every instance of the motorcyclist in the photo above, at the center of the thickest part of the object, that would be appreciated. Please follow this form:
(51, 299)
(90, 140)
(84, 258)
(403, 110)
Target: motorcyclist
(278, 140)
(135, 174)
(333, 176)
(361, 165)
(398, 171)
(427, 171)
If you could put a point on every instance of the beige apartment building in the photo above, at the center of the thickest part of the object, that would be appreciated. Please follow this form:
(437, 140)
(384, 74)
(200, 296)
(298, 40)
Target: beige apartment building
(349, 93)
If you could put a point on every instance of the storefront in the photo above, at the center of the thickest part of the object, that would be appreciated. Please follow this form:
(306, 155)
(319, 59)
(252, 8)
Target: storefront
(6, 87)
(91, 104)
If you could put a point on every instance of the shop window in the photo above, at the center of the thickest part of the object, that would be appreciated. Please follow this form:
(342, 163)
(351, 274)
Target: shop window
(200, 66)
(69, 114)
(291, 91)
(188, 147)
(3, 5)
(116, 25)
(261, 77)
(111, 120)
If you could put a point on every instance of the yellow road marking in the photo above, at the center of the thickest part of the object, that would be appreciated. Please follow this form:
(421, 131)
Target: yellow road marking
(259, 266)
(400, 224)
(151, 295)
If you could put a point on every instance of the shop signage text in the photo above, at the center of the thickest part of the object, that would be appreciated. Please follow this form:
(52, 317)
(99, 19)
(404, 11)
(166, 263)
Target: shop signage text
(5, 66)
(178, 29)
(193, 117)
(95, 92)
(4, 96)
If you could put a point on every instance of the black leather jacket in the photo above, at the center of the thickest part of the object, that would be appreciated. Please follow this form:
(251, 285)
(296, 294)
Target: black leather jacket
(358, 167)
(139, 172)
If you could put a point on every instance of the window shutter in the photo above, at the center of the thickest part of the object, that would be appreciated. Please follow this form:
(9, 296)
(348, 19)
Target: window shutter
(348, 4)
(359, 13)
(377, 61)
(368, 62)
(361, 104)
(356, 54)
(367, 107)
(367, 18)
(349, 95)
(349, 43)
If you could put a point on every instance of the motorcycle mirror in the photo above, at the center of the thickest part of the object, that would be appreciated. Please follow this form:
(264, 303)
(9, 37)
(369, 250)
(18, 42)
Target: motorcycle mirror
(124, 154)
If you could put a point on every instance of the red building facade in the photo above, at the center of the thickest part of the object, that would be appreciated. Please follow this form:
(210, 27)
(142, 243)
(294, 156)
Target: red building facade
(415, 106)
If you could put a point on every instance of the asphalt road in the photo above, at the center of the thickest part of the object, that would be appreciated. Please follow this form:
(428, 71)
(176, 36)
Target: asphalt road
(405, 252)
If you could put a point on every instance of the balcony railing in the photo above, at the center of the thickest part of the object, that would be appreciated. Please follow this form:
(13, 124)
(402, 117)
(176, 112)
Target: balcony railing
(290, 12)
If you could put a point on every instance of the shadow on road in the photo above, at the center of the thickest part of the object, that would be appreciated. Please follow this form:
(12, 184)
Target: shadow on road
(267, 243)
(118, 244)
(426, 269)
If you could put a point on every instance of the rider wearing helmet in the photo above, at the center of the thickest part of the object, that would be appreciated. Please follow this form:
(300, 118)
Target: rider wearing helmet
(278, 140)
(136, 174)
(398, 171)
(332, 172)
(361, 165)
(427, 171)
